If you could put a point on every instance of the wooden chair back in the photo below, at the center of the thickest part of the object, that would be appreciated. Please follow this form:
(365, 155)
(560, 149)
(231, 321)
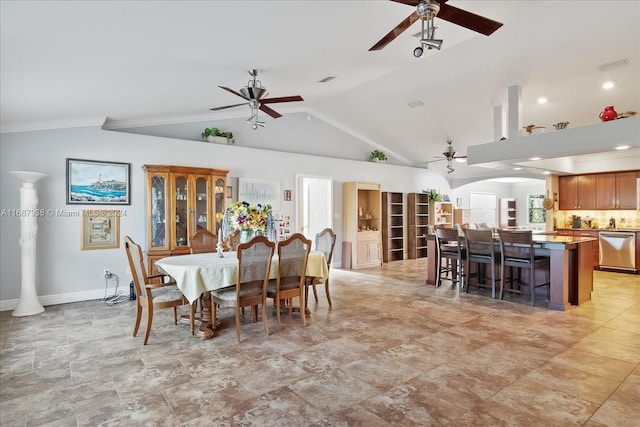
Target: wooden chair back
(202, 241)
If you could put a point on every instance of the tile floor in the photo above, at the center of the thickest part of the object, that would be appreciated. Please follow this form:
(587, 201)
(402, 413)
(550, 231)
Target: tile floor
(391, 352)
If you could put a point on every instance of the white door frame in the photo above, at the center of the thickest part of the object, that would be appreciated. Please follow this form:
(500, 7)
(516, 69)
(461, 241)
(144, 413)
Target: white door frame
(302, 219)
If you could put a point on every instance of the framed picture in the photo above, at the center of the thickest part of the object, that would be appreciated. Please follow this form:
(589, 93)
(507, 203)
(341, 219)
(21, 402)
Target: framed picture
(100, 229)
(287, 195)
(229, 192)
(259, 191)
(91, 182)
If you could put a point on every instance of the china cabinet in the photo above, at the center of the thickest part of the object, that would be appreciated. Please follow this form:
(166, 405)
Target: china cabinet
(361, 225)
(418, 220)
(181, 200)
(392, 226)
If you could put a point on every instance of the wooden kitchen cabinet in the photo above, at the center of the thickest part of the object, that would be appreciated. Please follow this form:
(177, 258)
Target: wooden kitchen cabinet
(577, 192)
(616, 190)
(179, 201)
(361, 225)
(595, 243)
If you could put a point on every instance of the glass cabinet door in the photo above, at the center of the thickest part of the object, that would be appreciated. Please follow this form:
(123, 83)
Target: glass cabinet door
(201, 204)
(158, 225)
(181, 194)
(219, 202)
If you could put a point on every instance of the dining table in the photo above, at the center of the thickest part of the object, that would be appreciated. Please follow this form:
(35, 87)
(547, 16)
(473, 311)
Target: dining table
(197, 274)
(570, 273)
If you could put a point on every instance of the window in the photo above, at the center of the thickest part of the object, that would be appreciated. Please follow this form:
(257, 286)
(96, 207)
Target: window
(537, 212)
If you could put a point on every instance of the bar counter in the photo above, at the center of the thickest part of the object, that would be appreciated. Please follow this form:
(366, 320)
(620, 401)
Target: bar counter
(571, 260)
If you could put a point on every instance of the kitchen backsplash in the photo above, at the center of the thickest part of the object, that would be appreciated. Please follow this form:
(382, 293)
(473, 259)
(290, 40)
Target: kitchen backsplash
(599, 219)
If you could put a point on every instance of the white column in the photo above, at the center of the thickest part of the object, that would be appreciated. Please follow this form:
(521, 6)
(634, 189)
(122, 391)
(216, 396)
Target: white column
(514, 111)
(29, 303)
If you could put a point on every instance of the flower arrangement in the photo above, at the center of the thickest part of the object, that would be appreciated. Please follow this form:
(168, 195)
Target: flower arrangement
(248, 218)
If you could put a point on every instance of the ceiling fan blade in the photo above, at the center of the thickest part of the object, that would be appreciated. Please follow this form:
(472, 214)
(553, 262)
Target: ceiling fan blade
(270, 112)
(226, 106)
(468, 20)
(234, 92)
(406, 23)
(282, 99)
(432, 161)
(459, 157)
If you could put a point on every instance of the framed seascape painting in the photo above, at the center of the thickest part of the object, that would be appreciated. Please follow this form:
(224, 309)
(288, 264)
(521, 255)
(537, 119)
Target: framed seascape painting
(91, 182)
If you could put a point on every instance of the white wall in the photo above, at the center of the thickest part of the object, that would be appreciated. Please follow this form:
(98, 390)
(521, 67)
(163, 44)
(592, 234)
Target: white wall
(65, 273)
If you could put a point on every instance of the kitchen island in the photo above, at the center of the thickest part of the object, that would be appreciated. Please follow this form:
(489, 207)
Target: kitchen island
(571, 261)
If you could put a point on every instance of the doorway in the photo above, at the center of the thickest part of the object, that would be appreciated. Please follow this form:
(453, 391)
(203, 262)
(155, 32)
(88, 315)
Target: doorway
(315, 204)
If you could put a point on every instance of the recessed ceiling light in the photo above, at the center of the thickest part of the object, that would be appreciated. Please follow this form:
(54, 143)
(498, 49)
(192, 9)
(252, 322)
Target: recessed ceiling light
(546, 172)
(517, 169)
(542, 100)
(622, 147)
(608, 85)
(535, 158)
(459, 160)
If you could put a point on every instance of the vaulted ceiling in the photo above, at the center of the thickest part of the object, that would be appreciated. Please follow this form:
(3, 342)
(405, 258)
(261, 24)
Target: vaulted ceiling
(158, 62)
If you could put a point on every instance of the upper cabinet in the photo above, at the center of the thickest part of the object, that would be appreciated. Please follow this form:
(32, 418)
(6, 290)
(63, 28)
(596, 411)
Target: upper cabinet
(577, 192)
(180, 201)
(617, 190)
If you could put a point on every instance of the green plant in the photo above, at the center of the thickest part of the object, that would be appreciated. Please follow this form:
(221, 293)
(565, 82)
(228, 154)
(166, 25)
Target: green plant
(433, 195)
(216, 132)
(377, 154)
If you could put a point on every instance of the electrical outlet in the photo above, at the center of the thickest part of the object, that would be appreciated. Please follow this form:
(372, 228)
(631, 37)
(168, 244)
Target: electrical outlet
(107, 273)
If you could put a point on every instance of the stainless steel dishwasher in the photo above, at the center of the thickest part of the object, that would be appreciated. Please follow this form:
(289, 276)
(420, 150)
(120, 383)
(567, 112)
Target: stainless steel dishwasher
(618, 250)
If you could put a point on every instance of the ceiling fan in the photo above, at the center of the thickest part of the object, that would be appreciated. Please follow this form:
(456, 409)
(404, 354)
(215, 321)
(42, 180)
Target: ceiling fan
(449, 156)
(254, 93)
(426, 11)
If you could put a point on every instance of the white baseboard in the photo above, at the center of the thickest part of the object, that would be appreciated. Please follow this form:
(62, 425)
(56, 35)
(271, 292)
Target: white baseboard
(65, 298)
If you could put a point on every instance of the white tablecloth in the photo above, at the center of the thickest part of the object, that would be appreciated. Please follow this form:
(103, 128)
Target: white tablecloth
(198, 273)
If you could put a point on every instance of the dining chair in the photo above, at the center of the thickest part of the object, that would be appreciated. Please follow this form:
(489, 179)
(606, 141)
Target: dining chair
(150, 296)
(482, 250)
(517, 251)
(234, 240)
(449, 249)
(250, 290)
(293, 254)
(325, 242)
(202, 241)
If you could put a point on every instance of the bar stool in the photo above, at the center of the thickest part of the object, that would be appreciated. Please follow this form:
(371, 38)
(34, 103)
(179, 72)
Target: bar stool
(516, 247)
(481, 249)
(449, 250)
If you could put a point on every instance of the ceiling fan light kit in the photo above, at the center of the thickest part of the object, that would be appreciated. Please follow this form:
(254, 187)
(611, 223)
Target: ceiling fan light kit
(255, 95)
(426, 11)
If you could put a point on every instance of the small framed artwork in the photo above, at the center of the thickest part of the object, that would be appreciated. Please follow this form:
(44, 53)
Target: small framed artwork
(100, 229)
(229, 192)
(445, 198)
(91, 182)
(287, 195)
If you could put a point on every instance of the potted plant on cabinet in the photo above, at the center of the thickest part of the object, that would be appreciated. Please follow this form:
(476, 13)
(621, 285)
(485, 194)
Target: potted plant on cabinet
(377, 156)
(216, 135)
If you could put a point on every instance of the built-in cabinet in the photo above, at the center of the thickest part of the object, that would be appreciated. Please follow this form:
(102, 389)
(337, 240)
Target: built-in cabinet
(361, 225)
(417, 225)
(441, 213)
(462, 216)
(507, 213)
(392, 226)
(179, 201)
(577, 192)
(616, 190)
